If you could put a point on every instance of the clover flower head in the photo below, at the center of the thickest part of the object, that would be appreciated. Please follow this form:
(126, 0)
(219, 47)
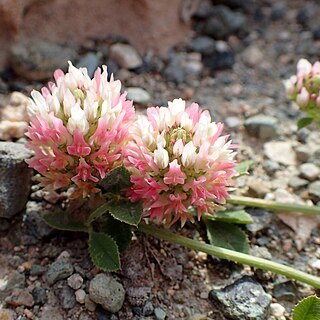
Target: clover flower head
(304, 87)
(177, 159)
(78, 129)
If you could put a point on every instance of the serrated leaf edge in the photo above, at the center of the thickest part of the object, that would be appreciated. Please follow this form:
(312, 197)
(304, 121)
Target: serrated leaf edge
(118, 253)
(301, 302)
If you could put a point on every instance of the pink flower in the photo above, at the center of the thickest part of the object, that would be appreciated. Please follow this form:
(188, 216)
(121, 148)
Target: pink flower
(78, 129)
(178, 159)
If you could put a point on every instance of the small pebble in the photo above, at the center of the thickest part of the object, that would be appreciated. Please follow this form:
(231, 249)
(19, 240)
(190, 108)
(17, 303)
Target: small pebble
(75, 281)
(80, 296)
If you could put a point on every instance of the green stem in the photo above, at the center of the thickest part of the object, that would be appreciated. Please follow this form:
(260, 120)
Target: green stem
(235, 256)
(273, 205)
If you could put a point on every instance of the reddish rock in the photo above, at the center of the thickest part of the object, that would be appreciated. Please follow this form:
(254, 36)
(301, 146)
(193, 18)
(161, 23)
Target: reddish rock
(136, 20)
(20, 297)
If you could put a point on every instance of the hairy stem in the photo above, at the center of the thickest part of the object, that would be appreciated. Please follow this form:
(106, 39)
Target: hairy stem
(274, 205)
(227, 254)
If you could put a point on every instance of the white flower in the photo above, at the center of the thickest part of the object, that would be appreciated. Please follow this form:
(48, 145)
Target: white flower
(188, 157)
(78, 120)
(161, 158)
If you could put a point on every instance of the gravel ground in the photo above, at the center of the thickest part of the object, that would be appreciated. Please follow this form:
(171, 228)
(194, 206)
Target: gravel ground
(234, 66)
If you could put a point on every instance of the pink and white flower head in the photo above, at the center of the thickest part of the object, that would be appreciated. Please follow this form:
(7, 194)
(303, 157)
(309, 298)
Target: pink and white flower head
(78, 129)
(304, 87)
(177, 159)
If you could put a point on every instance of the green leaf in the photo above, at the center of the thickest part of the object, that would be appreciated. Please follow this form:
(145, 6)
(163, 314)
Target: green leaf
(239, 216)
(116, 180)
(64, 221)
(226, 235)
(242, 168)
(126, 211)
(99, 212)
(307, 309)
(104, 251)
(119, 231)
(303, 122)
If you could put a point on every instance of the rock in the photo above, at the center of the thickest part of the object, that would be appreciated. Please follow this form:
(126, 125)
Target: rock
(10, 130)
(281, 152)
(108, 292)
(15, 178)
(20, 297)
(91, 61)
(309, 171)
(303, 153)
(39, 296)
(37, 270)
(89, 304)
(14, 280)
(233, 122)
(138, 95)
(305, 14)
(52, 313)
(175, 71)
(284, 291)
(125, 56)
(252, 56)
(223, 22)
(75, 281)
(159, 313)
(202, 44)
(277, 310)
(80, 296)
(219, 60)
(258, 188)
(261, 126)
(261, 219)
(38, 59)
(244, 299)
(270, 166)
(316, 33)
(260, 252)
(148, 309)
(34, 222)
(58, 270)
(297, 183)
(66, 296)
(314, 190)
(7, 314)
(278, 11)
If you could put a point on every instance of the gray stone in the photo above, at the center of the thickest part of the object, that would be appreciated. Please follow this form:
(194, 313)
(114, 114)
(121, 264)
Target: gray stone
(37, 270)
(91, 61)
(244, 299)
(15, 178)
(233, 122)
(125, 56)
(175, 71)
(270, 166)
(280, 151)
(261, 219)
(160, 314)
(297, 183)
(34, 222)
(14, 280)
(260, 252)
(58, 270)
(309, 171)
(252, 56)
(108, 292)
(284, 291)
(89, 304)
(39, 296)
(223, 22)
(66, 296)
(303, 153)
(314, 190)
(138, 95)
(38, 59)
(202, 44)
(261, 126)
(148, 309)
